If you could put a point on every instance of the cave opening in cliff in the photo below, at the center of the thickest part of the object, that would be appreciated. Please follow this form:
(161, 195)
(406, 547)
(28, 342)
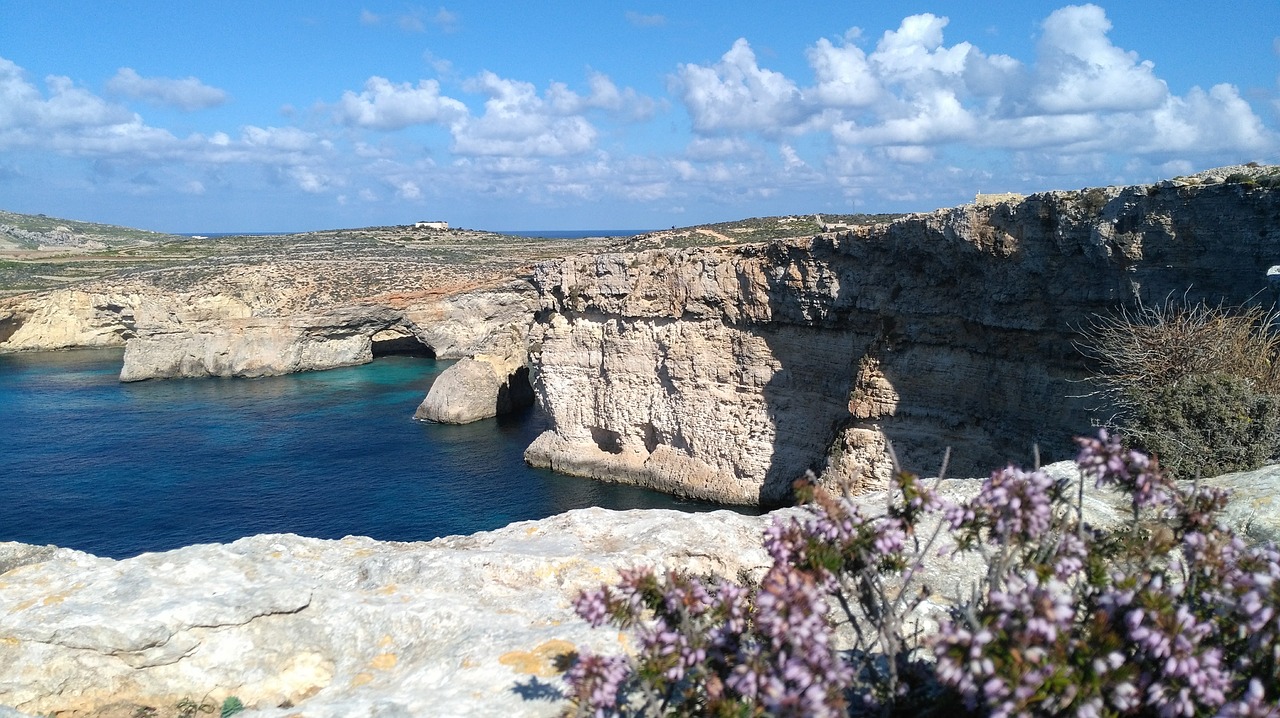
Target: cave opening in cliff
(402, 346)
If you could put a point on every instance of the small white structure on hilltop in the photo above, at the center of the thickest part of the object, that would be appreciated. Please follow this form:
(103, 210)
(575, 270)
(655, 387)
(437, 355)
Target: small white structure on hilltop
(431, 225)
(830, 226)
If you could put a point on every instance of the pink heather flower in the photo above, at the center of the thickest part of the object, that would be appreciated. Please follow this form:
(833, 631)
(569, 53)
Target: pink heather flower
(596, 683)
(1106, 459)
(1013, 504)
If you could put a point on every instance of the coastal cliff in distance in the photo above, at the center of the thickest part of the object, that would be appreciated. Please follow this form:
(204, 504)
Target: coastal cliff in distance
(726, 373)
(259, 306)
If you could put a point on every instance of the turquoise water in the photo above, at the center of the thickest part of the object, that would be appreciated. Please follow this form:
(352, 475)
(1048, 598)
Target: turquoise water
(117, 469)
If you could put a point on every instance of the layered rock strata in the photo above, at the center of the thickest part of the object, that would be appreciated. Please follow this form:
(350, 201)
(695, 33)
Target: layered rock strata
(464, 625)
(726, 373)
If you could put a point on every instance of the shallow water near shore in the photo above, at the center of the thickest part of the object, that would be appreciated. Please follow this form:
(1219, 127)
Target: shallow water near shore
(114, 469)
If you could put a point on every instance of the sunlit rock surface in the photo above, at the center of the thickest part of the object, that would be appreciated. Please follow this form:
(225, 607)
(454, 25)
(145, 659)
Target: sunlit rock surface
(464, 625)
(726, 373)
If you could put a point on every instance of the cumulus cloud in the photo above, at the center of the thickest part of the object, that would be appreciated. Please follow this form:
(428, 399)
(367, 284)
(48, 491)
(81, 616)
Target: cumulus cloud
(737, 94)
(914, 56)
(844, 77)
(185, 94)
(913, 93)
(1079, 70)
(517, 122)
(603, 95)
(383, 105)
(24, 107)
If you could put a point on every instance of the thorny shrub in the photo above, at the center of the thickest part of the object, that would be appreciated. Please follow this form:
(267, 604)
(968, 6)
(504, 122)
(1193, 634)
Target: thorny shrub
(1171, 616)
(1194, 384)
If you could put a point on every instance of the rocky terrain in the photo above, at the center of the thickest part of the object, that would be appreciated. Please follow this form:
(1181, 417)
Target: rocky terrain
(724, 373)
(263, 305)
(463, 625)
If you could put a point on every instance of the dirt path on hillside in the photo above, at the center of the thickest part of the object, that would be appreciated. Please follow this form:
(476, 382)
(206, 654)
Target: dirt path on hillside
(713, 233)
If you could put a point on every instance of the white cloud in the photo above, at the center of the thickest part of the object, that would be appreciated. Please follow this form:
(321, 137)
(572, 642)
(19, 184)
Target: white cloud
(1079, 70)
(310, 180)
(737, 94)
(791, 159)
(185, 94)
(518, 123)
(24, 107)
(369, 18)
(930, 117)
(383, 105)
(408, 190)
(845, 79)
(1201, 122)
(604, 95)
(914, 56)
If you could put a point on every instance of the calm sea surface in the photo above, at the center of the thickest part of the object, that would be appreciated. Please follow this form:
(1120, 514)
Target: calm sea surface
(117, 469)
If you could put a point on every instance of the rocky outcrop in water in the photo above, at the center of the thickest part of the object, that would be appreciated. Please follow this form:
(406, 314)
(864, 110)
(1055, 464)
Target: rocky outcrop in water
(464, 625)
(726, 373)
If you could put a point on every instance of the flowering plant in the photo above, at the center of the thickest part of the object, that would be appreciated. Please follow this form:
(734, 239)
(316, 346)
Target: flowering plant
(1172, 616)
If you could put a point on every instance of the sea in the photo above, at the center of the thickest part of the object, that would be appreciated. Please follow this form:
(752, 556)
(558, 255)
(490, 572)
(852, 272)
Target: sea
(116, 469)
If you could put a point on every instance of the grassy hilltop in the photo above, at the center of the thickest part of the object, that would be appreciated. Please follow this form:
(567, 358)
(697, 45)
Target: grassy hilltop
(39, 252)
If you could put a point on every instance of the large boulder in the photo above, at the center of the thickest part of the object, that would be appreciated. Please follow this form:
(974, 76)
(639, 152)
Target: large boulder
(474, 389)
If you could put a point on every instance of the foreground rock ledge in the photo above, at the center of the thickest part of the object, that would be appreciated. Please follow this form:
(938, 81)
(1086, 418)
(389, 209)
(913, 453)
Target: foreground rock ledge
(463, 625)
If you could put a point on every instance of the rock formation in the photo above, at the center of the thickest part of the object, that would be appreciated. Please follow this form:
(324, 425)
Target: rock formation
(463, 625)
(726, 373)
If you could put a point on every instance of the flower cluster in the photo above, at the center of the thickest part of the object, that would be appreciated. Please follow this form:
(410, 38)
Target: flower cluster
(1109, 463)
(1172, 615)
(1013, 505)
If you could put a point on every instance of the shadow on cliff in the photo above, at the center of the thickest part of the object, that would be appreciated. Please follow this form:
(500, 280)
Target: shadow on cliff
(963, 320)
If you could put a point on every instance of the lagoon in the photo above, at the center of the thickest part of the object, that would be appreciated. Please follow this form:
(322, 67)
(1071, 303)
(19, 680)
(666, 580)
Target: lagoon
(114, 469)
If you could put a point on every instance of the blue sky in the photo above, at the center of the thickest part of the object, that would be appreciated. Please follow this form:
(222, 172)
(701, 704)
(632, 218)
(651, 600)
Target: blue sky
(287, 115)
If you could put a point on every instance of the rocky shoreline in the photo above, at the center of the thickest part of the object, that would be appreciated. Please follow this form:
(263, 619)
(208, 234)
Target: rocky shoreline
(464, 625)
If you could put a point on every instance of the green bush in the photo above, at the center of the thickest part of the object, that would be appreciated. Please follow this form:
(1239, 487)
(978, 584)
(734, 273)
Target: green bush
(1194, 384)
(1208, 424)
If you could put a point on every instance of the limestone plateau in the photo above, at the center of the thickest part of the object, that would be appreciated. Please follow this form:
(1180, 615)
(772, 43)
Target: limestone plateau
(704, 362)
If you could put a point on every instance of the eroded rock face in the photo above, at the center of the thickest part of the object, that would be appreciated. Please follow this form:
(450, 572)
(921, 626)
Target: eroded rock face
(725, 373)
(66, 319)
(239, 324)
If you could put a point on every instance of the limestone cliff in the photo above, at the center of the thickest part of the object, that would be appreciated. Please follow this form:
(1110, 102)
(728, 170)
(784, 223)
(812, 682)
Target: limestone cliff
(260, 320)
(726, 373)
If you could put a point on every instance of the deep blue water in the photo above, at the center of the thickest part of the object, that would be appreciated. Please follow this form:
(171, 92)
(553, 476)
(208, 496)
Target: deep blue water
(116, 469)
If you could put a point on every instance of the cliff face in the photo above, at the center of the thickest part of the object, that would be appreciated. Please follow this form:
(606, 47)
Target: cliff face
(245, 324)
(726, 373)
